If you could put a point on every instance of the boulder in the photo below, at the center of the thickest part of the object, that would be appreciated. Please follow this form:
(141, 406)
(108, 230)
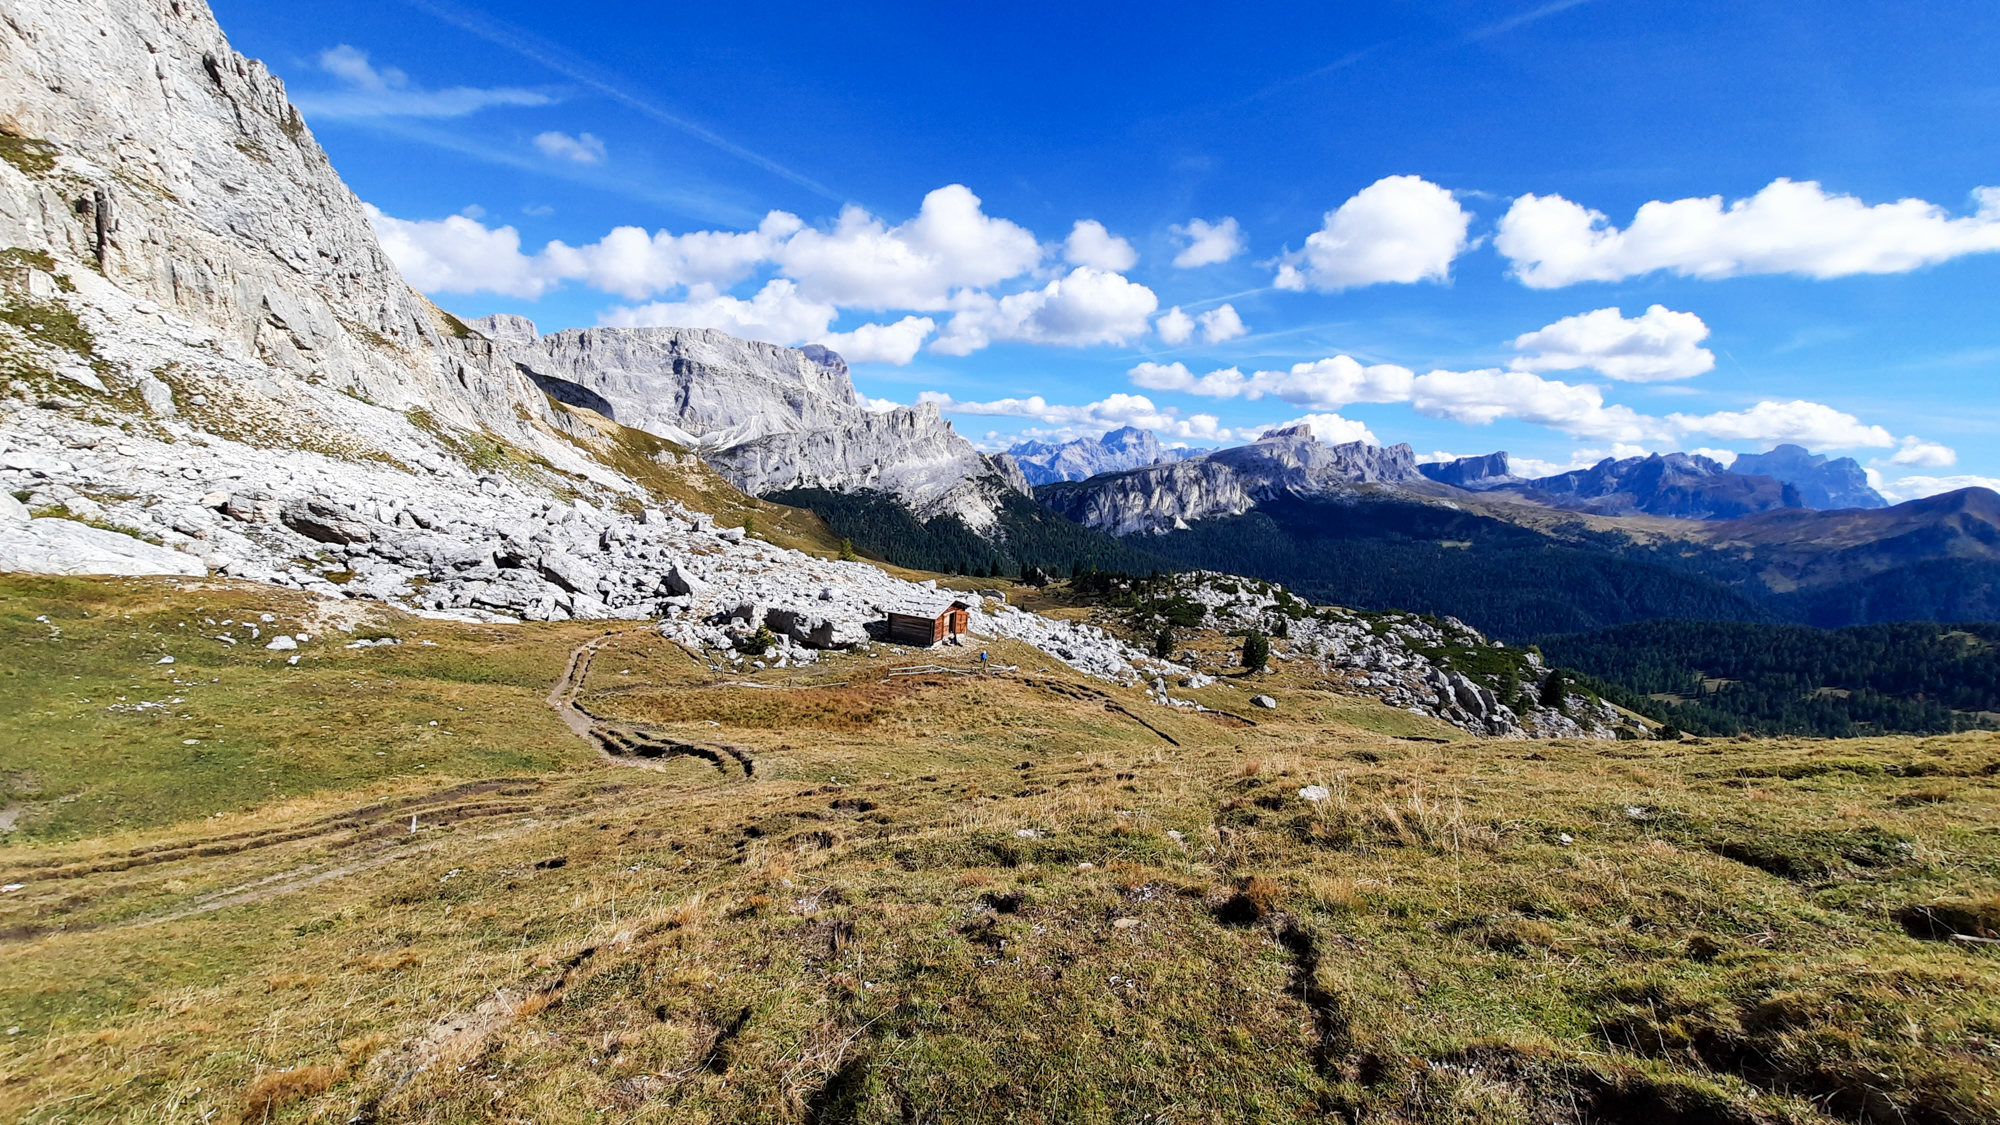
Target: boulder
(1265, 701)
(12, 510)
(323, 520)
(60, 546)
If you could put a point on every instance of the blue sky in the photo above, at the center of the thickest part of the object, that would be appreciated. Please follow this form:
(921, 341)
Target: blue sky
(1409, 221)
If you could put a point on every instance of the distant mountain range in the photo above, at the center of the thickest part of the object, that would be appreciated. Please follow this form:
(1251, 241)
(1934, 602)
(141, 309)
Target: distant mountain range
(1126, 448)
(1681, 485)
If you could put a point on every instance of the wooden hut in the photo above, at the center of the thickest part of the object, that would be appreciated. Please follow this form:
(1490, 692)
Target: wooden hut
(924, 628)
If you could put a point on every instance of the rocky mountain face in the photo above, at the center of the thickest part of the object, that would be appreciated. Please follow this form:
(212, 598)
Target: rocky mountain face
(1228, 482)
(1680, 485)
(209, 366)
(1474, 474)
(768, 418)
(1126, 448)
(1822, 483)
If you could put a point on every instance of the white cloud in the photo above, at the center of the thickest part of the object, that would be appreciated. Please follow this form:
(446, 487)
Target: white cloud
(878, 405)
(1811, 424)
(776, 315)
(636, 265)
(950, 245)
(1217, 325)
(1327, 384)
(1723, 457)
(1656, 345)
(1087, 307)
(585, 148)
(1221, 323)
(1096, 418)
(883, 343)
(1331, 429)
(1399, 228)
(458, 255)
(1479, 398)
(1921, 454)
(388, 92)
(1788, 227)
(1175, 327)
(1916, 488)
(1534, 468)
(1089, 244)
(1208, 243)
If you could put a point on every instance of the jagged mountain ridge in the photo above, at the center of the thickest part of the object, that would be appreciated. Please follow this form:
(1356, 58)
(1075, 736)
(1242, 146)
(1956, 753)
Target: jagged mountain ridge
(769, 418)
(1680, 485)
(1127, 447)
(1227, 482)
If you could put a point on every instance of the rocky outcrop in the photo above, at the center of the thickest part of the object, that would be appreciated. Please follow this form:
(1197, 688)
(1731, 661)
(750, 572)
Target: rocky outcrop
(1403, 660)
(1822, 483)
(1474, 474)
(768, 418)
(61, 546)
(1126, 448)
(1161, 498)
(174, 186)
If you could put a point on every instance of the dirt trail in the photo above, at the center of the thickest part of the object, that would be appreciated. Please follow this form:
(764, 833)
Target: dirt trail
(628, 744)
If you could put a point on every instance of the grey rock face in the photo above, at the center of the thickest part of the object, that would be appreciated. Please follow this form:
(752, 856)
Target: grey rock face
(1126, 448)
(60, 546)
(180, 173)
(505, 328)
(1823, 484)
(1687, 486)
(1472, 473)
(769, 418)
(1228, 482)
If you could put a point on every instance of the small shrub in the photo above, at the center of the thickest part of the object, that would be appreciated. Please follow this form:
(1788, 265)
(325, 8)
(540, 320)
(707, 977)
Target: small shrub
(1256, 651)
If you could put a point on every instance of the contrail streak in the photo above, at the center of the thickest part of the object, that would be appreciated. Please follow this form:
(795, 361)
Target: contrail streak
(522, 43)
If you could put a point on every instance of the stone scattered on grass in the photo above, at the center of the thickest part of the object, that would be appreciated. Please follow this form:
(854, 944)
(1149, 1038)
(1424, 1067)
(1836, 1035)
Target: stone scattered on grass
(1265, 701)
(1316, 793)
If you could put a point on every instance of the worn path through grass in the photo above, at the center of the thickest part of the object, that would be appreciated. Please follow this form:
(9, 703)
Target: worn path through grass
(948, 895)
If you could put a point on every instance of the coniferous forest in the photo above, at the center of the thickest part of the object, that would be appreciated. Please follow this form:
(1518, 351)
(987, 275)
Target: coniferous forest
(1724, 677)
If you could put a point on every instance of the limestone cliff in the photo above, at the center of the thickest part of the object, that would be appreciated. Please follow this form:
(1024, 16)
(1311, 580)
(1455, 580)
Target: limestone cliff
(1228, 482)
(768, 418)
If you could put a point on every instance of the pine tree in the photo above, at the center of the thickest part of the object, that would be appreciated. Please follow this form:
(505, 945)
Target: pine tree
(847, 551)
(1553, 695)
(1163, 645)
(1256, 651)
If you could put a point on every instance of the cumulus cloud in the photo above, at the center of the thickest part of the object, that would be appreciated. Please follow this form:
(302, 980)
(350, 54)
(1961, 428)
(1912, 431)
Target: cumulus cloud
(1480, 398)
(1089, 244)
(1920, 454)
(1175, 326)
(1397, 229)
(1220, 323)
(1216, 325)
(1811, 424)
(1098, 417)
(371, 91)
(883, 343)
(1087, 307)
(1331, 429)
(878, 405)
(1916, 488)
(1788, 227)
(950, 245)
(584, 148)
(459, 255)
(776, 315)
(636, 265)
(1327, 384)
(1208, 243)
(1657, 345)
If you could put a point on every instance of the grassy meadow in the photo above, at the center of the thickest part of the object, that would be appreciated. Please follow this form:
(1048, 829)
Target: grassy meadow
(944, 893)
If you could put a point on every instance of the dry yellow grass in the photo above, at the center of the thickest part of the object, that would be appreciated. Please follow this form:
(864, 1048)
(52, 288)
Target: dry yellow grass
(988, 898)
